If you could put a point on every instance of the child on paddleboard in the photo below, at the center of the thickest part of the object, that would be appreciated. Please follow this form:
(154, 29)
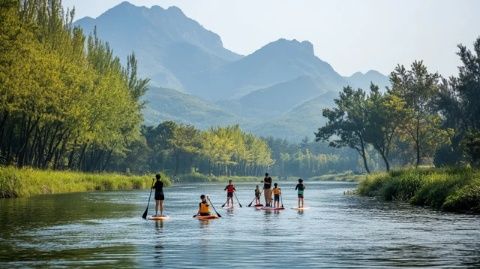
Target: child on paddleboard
(203, 207)
(300, 188)
(276, 195)
(230, 188)
(159, 196)
(257, 195)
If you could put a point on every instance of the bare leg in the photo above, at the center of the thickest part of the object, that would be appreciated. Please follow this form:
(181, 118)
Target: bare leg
(161, 207)
(157, 206)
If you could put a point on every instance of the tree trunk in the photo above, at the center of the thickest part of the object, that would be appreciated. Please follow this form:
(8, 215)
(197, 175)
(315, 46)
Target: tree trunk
(364, 155)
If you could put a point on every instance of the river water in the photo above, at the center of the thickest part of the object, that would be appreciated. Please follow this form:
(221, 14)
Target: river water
(105, 229)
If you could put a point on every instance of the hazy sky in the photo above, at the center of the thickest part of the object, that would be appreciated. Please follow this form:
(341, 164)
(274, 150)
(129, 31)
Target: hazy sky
(352, 35)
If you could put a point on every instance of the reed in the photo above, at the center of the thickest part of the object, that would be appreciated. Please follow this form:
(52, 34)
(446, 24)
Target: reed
(25, 182)
(448, 189)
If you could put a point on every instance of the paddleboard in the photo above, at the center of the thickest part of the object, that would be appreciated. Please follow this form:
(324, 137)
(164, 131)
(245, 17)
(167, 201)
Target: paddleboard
(229, 208)
(300, 208)
(207, 217)
(258, 205)
(158, 217)
(272, 208)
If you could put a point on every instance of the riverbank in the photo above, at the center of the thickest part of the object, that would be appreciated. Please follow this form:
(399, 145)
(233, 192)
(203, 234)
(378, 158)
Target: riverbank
(197, 177)
(454, 190)
(345, 177)
(27, 182)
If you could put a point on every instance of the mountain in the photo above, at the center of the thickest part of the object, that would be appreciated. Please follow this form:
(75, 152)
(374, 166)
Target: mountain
(169, 45)
(167, 104)
(303, 120)
(279, 61)
(279, 90)
(360, 80)
(276, 100)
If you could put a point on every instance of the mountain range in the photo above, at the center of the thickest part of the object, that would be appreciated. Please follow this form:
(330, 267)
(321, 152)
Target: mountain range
(278, 90)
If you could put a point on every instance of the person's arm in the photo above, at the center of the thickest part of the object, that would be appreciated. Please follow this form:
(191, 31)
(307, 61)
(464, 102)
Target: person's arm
(225, 188)
(296, 187)
(199, 206)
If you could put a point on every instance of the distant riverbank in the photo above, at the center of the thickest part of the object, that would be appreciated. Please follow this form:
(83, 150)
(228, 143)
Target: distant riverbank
(27, 182)
(197, 177)
(452, 189)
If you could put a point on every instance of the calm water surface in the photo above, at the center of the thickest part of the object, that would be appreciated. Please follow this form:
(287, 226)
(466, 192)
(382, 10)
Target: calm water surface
(105, 230)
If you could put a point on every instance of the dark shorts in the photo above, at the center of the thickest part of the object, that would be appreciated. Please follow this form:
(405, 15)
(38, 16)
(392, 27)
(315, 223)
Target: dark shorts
(300, 196)
(229, 194)
(204, 214)
(257, 196)
(159, 196)
(276, 197)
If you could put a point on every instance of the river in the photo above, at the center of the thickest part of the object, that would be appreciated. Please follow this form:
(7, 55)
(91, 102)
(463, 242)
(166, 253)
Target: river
(105, 229)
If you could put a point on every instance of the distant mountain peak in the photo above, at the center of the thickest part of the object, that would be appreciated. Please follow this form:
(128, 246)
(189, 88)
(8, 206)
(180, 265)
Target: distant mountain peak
(282, 45)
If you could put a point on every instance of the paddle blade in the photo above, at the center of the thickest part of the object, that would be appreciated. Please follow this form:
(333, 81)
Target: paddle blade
(144, 216)
(219, 215)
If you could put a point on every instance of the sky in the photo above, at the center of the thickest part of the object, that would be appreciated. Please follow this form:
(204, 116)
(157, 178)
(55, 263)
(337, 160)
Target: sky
(351, 35)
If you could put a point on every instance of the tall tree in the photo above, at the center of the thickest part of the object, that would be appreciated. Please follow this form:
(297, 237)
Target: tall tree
(418, 88)
(346, 123)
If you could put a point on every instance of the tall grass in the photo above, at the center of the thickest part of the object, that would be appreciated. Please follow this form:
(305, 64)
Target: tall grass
(26, 182)
(449, 189)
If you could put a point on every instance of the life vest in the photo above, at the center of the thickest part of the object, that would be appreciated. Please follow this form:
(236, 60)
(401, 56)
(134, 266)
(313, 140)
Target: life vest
(230, 188)
(204, 208)
(277, 191)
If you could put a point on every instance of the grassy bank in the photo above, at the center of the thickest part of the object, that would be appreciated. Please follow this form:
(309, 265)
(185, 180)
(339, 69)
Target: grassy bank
(347, 177)
(456, 190)
(26, 182)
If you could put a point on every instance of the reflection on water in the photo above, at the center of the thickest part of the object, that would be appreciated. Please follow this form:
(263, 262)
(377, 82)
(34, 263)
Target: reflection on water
(105, 230)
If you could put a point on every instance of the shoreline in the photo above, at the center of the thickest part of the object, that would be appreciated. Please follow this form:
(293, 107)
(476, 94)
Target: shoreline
(445, 189)
(27, 182)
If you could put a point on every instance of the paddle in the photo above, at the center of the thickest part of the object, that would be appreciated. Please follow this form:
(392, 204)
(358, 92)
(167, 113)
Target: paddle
(281, 200)
(249, 205)
(213, 207)
(144, 216)
(237, 199)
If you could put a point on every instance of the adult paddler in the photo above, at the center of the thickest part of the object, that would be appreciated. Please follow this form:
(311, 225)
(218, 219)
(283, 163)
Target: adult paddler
(267, 185)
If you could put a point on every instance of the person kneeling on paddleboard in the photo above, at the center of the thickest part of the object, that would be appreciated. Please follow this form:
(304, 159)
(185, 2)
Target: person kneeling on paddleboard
(300, 187)
(230, 188)
(276, 195)
(159, 196)
(203, 207)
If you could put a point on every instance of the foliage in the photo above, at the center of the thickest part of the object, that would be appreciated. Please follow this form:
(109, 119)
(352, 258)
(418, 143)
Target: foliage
(24, 182)
(65, 100)
(347, 123)
(447, 189)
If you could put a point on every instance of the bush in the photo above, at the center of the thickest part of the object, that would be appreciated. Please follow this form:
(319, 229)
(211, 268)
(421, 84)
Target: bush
(454, 189)
(15, 182)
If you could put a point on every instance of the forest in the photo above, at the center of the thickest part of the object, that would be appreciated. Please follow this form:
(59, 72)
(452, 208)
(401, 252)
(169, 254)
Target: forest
(422, 119)
(67, 103)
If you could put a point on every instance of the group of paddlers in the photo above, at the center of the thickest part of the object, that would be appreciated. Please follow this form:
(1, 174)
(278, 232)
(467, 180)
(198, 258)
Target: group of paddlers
(273, 196)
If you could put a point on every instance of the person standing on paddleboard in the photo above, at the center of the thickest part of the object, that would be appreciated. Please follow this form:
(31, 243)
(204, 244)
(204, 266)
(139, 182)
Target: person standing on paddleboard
(159, 196)
(276, 195)
(257, 196)
(230, 188)
(267, 185)
(300, 188)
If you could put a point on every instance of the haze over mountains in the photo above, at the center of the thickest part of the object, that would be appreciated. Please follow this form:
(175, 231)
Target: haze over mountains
(278, 90)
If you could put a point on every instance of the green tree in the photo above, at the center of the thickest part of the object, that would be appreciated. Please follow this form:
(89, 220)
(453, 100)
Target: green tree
(346, 123)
